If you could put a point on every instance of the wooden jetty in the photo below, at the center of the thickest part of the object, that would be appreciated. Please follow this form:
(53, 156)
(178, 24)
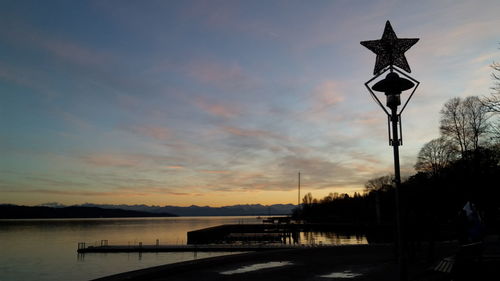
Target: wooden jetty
(233, 238)
(273, 232)
(82, 249)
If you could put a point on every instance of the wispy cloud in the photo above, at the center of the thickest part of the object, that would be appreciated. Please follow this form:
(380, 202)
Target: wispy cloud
(73, 120)
(369, 118)
(168, 100)
(322, 98)
(222, 75)
(215, 171)
(62, 192)
(326, 94)
(114, 193)
(155, 190)
(176, 167)
(53, 182)
(158, 133)
(62, 48)
(450, 43)
(366, 157)
(127, 160)
(255, 133)
(29, 78)
(112, 160)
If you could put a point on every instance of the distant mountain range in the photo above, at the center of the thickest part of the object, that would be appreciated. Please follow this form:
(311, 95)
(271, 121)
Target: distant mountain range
(26, 212)
(235, 210)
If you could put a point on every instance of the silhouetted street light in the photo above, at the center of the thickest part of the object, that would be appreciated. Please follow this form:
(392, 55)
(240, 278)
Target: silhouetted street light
(390, 55)
(392, 86)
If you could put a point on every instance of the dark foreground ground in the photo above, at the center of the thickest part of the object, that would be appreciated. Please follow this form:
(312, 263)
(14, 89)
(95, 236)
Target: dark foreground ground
(363, 262)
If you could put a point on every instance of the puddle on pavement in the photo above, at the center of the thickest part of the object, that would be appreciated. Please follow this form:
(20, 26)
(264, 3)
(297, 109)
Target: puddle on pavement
(256, 266)
(345, 274)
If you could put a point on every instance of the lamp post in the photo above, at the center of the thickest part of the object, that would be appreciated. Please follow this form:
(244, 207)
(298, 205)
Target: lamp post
(390, 59)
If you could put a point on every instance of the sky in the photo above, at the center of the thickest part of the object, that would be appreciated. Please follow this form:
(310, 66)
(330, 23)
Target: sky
(220, 102)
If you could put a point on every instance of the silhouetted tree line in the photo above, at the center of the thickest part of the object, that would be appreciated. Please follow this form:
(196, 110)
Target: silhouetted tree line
(28, 212)
(462, 165)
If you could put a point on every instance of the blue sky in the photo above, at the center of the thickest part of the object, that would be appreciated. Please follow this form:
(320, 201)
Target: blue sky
(219, 102)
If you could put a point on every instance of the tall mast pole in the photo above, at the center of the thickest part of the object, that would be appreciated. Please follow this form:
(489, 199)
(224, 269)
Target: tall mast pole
(298, 201)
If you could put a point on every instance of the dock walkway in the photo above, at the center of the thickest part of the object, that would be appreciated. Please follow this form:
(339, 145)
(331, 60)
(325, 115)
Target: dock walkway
(265, 232)
(232, 238)
(192, 248)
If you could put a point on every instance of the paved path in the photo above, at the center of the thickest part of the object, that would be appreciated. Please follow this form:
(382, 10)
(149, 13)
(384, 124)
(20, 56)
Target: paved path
(363, 262)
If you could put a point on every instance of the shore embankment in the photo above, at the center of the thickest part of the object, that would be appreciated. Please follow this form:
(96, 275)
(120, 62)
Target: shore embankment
(358, 262)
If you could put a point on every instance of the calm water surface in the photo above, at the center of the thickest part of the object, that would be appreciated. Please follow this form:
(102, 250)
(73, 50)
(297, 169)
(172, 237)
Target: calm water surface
(46, 249)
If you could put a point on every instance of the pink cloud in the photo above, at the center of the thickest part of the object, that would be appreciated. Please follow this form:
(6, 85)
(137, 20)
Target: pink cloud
(220, 110)
(326, 94)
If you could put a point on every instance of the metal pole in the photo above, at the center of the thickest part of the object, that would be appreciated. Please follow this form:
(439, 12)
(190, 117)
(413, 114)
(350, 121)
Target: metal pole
(403, 273)
(298, 201)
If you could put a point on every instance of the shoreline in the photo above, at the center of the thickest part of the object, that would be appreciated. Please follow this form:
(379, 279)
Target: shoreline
(299, 264)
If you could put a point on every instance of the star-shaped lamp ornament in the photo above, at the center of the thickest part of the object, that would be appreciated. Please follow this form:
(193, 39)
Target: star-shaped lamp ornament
(390, 49)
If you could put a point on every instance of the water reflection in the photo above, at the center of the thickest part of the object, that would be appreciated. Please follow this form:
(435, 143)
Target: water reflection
(46, 249)
(257, 266)
(332, 238)
(342, 275)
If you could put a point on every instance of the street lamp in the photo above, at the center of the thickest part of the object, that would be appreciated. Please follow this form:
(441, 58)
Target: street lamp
(392, 86)
(390, 59)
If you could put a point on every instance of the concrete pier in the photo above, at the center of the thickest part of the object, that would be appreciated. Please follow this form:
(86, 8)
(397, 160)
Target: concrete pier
(274, 232)
(192, 248)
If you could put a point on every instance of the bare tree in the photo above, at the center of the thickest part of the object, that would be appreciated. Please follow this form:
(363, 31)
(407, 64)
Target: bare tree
(435, 155)
(493, 102)
(464, 122)
(453, 123)
(380, 183)
(477, 120)
(308, 199)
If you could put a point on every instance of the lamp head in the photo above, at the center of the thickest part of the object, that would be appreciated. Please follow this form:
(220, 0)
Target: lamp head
(392, 85)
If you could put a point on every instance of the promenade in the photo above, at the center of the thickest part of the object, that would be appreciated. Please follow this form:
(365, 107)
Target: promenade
(359, 262)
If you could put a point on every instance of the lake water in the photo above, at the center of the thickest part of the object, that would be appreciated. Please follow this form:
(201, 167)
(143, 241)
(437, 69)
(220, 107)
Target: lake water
(46, 249)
